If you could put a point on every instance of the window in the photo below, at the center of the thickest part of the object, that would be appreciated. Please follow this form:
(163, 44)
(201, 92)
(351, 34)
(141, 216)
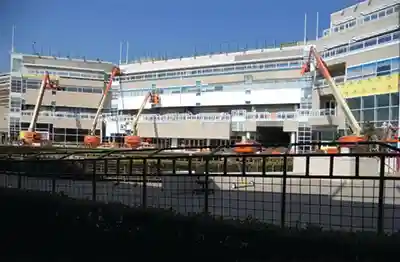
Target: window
(368, 101)
(218, 88)
(383, 68)
(369, 69)
(374, 16)
(248, 79)
(53, 103)
(394, 113)
(394, 99)
(368, 115)
(371, 42)
(354, 103)
(389, 11)
(383, 100)
(356, 46)
(384, 39)
(53, 92)
(382, 114)
(247, 92)
(382, 14)
(356, 114)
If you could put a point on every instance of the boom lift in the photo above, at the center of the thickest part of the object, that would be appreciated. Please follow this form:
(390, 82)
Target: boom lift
(31, 137)
(92, 140)
(133, 140)
(321, 66)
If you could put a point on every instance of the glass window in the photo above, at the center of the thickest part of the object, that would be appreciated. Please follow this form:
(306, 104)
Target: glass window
(382, 13)
(395, 63)
(397, 8)
(383, 100)
(356, 46)
(394, 99)
(369, 69)
(368, 115)
(354, 103)
(354, 72)
(356, 114)
(394, 113)
(374, 16)
(389, 11)
(396, 35)
(370, 42)
(382, 114)
(384, 39)
(367, 18)
(368, 101)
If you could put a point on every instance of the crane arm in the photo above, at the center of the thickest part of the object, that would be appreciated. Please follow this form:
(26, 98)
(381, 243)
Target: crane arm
(114, 73)
(136, 120)
(46, 83)
(323, 70)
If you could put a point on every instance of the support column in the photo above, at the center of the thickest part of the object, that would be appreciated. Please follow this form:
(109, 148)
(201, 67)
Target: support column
(174, 142)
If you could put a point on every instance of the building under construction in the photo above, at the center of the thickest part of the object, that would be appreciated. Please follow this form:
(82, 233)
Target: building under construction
(66, 113)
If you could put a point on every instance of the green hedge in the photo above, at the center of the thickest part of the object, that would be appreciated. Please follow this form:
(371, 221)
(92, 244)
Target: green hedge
(38, 225)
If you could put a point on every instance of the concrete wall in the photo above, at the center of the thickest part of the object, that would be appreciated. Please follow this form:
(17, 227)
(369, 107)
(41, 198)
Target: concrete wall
(70, 99)
(64, 122)
(185, 129)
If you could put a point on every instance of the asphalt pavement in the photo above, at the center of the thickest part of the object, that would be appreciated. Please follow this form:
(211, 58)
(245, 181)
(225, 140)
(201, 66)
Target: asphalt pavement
(330, 203)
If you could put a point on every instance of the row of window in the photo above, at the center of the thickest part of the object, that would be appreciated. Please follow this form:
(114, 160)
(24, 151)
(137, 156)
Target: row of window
(213, 70)
(199, 88)
(376, 15)
(374, 101)
(377, 68)
(386, 114)
(254, 67)
(19, 86)
(70, 74)
(366, 43)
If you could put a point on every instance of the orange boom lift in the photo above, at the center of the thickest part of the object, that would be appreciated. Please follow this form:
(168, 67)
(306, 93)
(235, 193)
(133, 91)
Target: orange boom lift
(315, 62)
(92, 140)
(132, 140)
(31, 137)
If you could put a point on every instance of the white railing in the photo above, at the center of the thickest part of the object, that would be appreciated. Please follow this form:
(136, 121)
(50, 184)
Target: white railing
(225, 117)
(59, 115)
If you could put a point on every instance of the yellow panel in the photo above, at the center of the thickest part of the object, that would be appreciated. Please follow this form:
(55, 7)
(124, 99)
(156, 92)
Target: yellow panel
(372, 86)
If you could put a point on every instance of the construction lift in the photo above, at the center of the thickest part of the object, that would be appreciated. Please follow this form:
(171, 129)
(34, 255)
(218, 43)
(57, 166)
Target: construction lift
(31, 137)
(132, 140)
(315, 62)
(92, 140)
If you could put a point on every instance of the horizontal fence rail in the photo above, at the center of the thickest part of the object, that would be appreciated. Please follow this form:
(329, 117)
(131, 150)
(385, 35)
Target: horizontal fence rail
(337, 191)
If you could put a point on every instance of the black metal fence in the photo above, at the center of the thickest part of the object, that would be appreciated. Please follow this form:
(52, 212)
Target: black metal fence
(270, 188)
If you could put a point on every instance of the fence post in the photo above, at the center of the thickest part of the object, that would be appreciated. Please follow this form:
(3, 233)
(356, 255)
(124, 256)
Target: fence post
(206, 181)
(144, 187)
(283, 196)
(381, 195)
(94, 178)
(19, 179)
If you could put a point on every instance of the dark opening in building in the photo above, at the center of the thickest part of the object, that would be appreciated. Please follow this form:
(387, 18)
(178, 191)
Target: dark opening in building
(272, 136)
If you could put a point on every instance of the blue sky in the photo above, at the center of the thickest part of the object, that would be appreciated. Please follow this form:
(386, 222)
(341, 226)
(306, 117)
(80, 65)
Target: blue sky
(174, 27)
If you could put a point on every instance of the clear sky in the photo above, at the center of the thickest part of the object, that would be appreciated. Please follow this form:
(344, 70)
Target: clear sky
(154, 27)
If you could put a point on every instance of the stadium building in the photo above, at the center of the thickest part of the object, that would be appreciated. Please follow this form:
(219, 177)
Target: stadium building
(261, 95)
(220, 98)
(66, 114)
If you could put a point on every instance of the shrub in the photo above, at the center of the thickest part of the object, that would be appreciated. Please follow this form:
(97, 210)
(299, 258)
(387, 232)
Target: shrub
(55, 226)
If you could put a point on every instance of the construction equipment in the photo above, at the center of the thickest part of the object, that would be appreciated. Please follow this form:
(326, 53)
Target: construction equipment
(132, 140)
(31, 137)
(322, 68)
(92, 140)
